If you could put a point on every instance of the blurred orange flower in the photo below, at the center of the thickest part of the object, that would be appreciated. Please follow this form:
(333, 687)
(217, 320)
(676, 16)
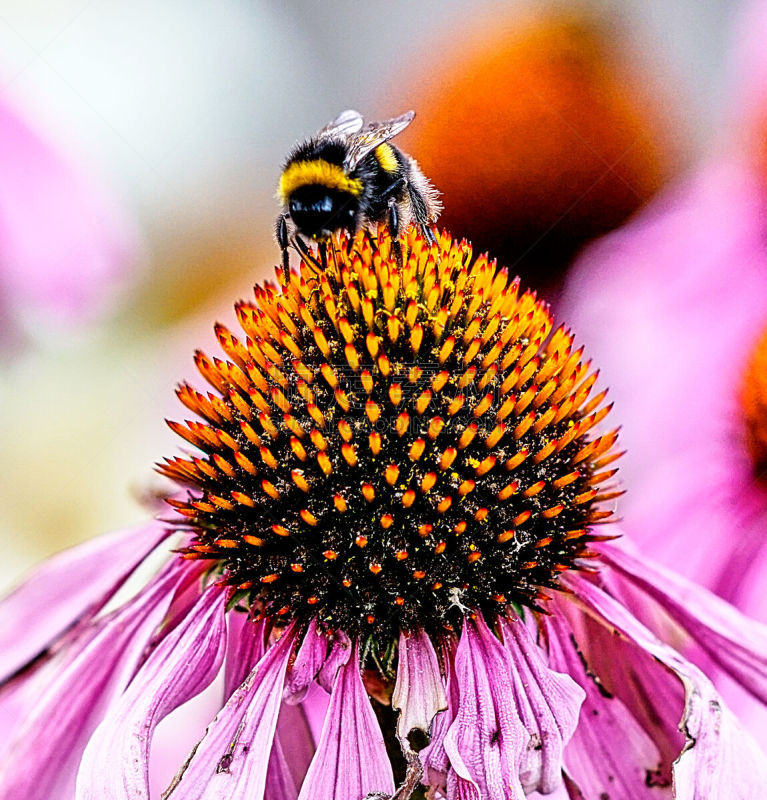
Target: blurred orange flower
(540, 139)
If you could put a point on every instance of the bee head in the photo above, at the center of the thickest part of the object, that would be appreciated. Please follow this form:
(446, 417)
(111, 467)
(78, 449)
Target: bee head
(318, 210)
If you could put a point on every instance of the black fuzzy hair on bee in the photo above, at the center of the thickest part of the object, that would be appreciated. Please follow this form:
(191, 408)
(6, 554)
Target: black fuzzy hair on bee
(349, 177)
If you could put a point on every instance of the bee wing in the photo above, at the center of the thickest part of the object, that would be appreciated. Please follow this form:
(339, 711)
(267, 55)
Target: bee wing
(347, 123)
(375, 133)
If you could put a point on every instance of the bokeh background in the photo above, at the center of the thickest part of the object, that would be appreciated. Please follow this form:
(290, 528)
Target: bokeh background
(546, 125)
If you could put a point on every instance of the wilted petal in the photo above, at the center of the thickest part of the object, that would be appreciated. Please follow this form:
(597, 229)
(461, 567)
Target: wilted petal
(548, 704)
(419, 692)
(652, 694)
(340, 651)
(486, 740)
(734, 642)
(434, 758)
(67, 588)
(244, 649)
(351, 759)
(720, 760)
(292, 753)
(60, 722)
(232, 758)
(115, 765)
(610, 754)
(725, 761)
(315, 707)
(280, 783)
(309, 660)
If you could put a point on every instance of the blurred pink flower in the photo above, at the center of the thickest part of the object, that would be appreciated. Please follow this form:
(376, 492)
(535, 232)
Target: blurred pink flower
(672, 308)
(64, 247)
(686, 286)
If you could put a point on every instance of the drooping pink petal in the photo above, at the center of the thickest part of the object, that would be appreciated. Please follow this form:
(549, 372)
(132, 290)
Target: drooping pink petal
(185, 597)
(17, 696)
(610, 754)
(292, 753)
(115, 765)
(244, 649)
(419, 693)
(434, 758)
(486, 740)
(309, 660)
(67, 588)
(651, 694)
(340, 652)
(232, 758)
(731, 640)
(280, 783)
(351, 760)
(60, 722)
(315, 707)
(548, 704)
(64, 247)
(720, 760)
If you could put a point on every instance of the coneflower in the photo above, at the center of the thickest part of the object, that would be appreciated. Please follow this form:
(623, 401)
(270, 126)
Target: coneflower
(395, 500)
(388, 446)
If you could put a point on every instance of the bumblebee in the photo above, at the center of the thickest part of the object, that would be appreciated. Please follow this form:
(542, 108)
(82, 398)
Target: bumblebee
(349, 177)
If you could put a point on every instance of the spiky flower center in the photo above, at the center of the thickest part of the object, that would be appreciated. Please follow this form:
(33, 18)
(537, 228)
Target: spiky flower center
(754, 403)
(389, 445)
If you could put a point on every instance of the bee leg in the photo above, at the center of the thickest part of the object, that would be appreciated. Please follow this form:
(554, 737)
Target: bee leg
(306, 253)
(396, 247)
(393, 188)
(420, 214)
(323, 250)
(281, 231)
(428, 234)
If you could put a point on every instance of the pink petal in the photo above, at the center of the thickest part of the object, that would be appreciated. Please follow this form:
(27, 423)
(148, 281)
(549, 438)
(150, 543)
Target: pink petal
(315, 707)
(548, 704)
(351, 759)
(232, 758)
(610, 754)
(58, 726)
(280, 784)
(720, 760)
(652, 695)
(340, 651)
(67, 588)
(309, 660)
(17, 696)
(434, 758)
(292, 753)
(733, 641)
(419, 693)
(63, 245)
(486, 741)
(115, 765)
(244, 649)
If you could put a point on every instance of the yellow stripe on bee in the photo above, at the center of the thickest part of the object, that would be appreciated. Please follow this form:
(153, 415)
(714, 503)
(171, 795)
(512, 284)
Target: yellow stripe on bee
(318, 171)
(386, 158)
